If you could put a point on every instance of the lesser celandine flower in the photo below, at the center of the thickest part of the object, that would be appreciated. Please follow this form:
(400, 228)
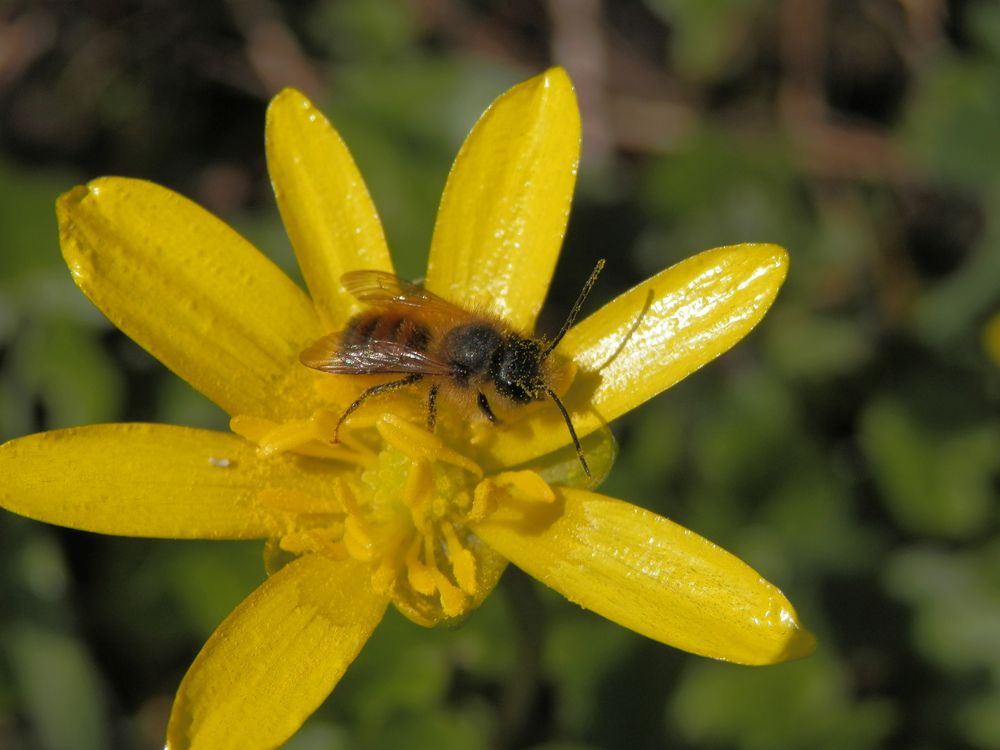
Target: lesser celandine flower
(392, 513)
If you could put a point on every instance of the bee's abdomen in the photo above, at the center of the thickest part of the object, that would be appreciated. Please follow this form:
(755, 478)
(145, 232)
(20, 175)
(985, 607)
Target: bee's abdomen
(377, 325)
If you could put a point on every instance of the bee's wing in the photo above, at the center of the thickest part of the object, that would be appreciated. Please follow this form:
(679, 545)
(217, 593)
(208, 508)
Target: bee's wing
(370, 357)
(382, 288)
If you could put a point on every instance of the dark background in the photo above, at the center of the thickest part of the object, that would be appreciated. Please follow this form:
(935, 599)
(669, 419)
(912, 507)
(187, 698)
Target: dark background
(849, 449)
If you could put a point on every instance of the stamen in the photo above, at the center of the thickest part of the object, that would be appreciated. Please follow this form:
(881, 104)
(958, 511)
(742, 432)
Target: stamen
(416, 443)
(385, 574)
(463, 564)
(358, 541)
(452, 598)
(418, 493)
(326, 541)
(521, 485)
(417, 573)
(307, 437)
(484, 502)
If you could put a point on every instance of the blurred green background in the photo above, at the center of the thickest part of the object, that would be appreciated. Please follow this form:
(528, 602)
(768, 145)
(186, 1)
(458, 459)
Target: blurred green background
(849, 449)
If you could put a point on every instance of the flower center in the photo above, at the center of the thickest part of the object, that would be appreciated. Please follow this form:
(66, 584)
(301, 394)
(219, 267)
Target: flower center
(395, 497)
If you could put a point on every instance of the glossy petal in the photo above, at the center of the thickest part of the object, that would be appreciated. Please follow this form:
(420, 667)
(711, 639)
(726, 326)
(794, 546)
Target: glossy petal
(191, 291)
(504, 210)
(649, 338)
(650, 575)
(150, 480)
(276, 657)
(328, 213)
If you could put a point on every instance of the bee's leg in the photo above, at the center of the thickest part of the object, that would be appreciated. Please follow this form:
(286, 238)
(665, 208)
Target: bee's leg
(374, 391)
(484, 407)
(432, 407)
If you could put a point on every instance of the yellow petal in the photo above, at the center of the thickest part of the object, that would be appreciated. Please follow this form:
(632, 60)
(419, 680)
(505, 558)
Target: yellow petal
(651, 337)
(650, 575)
(147, 480)
(991, 338)
(276, 657)
(328, 214)
(191, 291)
(504, 210)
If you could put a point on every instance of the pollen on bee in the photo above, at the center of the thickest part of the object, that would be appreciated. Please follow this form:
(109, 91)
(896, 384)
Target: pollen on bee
(221, 463)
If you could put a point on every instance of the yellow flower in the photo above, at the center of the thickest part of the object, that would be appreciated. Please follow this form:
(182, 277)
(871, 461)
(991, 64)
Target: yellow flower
(392, 513)
(991, 338)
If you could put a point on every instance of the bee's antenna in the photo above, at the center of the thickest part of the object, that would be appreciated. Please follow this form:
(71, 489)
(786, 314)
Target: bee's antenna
(565, 414)
(569, 324)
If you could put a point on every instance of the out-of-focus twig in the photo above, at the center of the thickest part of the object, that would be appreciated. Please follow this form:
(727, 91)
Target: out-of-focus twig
(23, 40)
(578, 45)
(273, 51)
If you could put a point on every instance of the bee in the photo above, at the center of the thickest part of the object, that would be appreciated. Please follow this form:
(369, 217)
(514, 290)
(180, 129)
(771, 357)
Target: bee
(468, 356)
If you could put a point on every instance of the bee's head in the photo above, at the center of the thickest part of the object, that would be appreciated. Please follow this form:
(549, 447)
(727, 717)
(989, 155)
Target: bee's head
(516, 369)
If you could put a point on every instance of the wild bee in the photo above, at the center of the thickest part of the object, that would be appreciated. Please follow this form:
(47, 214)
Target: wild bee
(465, 355)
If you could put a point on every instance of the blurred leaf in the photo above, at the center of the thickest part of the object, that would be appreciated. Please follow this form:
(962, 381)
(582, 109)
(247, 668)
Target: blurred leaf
(179, 403)
(748, 425)
(815, 347)
(581, 649)
(812, 513)
(436, 729)
(60, 687)
(984, 26)
(711, 36)
(803, 704)
(957, 601)
(952, 308)
(979, 720)
(939, 484)
(16, 413)
(718, 188)
(29, 239)
(414, 681)
(63, 364)
(405, 669)
(950, 125)
(319, 735)
(206, 580)
(364, 29)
